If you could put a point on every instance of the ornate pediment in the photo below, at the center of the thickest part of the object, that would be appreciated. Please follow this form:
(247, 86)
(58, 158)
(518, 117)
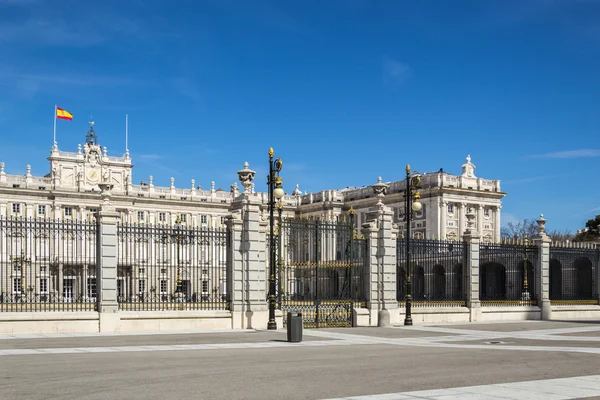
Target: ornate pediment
(92, 154)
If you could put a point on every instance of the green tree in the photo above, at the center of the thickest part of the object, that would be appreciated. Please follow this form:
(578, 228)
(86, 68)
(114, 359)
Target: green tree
(591, 232)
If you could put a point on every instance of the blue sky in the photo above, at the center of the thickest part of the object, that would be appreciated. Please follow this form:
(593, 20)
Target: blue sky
(344, 90)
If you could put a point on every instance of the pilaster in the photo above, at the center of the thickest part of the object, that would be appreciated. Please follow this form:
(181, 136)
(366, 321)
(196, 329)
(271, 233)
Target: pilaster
(461, 220)
(479, 209)
(442, 212)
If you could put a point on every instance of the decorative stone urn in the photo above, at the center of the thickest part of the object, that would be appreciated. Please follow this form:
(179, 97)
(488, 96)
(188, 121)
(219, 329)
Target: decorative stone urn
(380, 189)
(246, 176)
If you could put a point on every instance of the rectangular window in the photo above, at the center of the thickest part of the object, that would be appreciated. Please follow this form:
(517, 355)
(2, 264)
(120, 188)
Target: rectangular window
(68, 212)
(162, 217)
(450, 208)
(205, 287)
(41, 211)
(486, 226)
(141, 286)
(183, 218)
(43, 286)
(486, 212)
(17, 285)
(16, 207)
(93, 210)
(91, 288)
(141, 270)
(203, 219)
(140, 216)
(163, 286)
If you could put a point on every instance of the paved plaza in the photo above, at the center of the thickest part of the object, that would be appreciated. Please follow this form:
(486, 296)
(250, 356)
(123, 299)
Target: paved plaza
(522, 360)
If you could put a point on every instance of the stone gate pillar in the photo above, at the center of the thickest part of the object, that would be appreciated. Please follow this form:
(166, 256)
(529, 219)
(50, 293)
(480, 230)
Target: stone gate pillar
(246, 261)
(473, 240)
(542, 269)
(106, 263)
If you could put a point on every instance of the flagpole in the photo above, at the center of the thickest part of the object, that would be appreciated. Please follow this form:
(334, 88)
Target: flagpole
(127, 135)
(55, 125)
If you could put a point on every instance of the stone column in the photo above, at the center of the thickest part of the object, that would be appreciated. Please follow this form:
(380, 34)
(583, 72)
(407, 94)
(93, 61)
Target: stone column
(479, 209)
(106, 262)
(443, 211)
(461, 220)
(542, 269)
(472, 275)
(497, 224)
(246, 272)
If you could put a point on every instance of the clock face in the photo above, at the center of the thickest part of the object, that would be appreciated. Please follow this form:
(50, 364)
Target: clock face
(93, 174)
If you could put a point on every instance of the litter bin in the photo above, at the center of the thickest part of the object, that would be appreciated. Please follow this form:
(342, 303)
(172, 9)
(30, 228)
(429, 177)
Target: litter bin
(294, 327)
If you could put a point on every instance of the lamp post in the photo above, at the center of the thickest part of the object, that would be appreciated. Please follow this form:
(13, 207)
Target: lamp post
(274, 183)
(22, 261)
(279, 247)
(180, 237)
(412, 198)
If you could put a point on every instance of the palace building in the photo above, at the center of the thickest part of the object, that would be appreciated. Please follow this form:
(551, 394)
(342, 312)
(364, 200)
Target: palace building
(70, 191)
(179, 255)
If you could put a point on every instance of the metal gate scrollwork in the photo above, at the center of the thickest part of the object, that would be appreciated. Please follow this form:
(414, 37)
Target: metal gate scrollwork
(320, 270)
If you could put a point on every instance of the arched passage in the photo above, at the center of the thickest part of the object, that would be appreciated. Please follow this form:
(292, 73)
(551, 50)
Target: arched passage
(439, 282)
(555, 279)
(492, 284)
(583, 278)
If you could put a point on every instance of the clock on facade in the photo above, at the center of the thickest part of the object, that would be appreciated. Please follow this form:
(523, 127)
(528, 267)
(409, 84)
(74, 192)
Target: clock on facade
(93, 174)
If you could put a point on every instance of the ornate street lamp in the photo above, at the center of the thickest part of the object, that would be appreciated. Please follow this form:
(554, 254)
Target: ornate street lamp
(180, 237)
(274, 183)
(22, 261)
(412, 198)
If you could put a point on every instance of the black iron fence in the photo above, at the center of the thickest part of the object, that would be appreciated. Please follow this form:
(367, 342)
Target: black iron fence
(573, 275)
(171, 267)
(436, 269)
(321, 270)
(507, 274)
(47, 265)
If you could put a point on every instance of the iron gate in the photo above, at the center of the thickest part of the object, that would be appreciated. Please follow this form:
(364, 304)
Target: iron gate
(320, 270)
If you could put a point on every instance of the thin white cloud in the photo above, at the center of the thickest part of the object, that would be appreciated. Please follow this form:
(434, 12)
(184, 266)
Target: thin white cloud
(396, 73)
(568, 154)
(595, 209)
(533, 179)
(27, 85)
(149, 156)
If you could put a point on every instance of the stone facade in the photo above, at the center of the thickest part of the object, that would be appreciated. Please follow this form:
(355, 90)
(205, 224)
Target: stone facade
(71, 191)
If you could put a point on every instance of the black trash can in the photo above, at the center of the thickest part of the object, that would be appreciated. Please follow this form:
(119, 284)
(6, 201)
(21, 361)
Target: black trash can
(294, 327)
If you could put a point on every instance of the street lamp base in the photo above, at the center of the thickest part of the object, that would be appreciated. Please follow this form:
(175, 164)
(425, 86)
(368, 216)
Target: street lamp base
(272, 325)
(408, 321)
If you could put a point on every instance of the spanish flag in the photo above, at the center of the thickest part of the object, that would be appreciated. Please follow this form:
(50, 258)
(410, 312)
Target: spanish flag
(63, 114)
